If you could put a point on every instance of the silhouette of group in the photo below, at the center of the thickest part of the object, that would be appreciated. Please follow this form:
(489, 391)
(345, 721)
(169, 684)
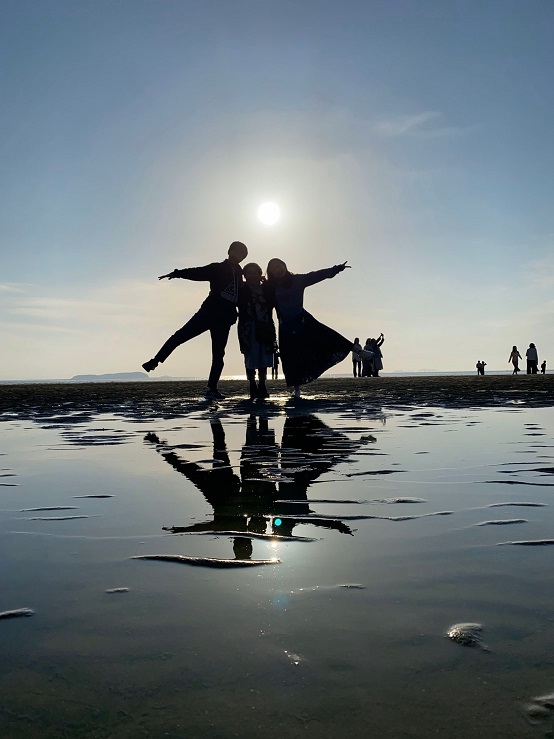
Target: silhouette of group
(532, 357)
(371, 363)
(306, 347)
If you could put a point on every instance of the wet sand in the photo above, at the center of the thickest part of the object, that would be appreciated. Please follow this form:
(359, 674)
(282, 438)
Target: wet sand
(153, 398)
(372, 560)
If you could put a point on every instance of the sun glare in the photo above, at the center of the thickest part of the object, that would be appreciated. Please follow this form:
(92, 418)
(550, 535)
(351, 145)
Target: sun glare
(269, 213)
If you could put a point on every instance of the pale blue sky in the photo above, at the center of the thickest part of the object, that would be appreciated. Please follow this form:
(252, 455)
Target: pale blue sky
(412, 138)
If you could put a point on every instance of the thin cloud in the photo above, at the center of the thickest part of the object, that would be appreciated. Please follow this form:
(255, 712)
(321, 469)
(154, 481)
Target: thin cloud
(418, 125)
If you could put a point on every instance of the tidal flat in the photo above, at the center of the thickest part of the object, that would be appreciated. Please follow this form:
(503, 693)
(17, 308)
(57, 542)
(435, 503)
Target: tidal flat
(278, 568)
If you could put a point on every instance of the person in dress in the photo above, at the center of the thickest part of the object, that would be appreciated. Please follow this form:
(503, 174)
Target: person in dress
(256, 329)
(217, 313)
(308, 347)
(514, 358)
(356, 359)
(532, 359)
(377, 361)
(367, 364)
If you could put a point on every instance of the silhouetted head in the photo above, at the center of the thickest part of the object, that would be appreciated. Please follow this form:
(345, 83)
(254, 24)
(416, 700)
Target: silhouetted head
(531, 345)
(357, 340)
(242, 548)
(514, 348)
(237, 252)
(252, 273)
(276, 269)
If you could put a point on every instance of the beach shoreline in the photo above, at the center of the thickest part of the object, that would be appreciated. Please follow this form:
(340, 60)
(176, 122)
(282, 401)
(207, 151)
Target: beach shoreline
(160, 398)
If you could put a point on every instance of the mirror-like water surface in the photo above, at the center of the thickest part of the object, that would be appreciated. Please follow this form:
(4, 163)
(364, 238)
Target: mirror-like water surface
(278, 570)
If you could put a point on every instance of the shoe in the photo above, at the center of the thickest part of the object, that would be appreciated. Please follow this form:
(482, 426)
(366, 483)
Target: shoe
(150, 365)
(213, 394)
(296, 393)
(263, 392)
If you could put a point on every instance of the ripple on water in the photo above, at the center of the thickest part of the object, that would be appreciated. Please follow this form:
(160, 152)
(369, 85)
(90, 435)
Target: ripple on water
(207, 561)
(16, 613)
(501, 522)
(467, 634)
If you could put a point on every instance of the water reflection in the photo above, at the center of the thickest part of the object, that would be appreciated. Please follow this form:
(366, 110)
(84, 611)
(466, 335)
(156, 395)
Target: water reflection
(267, 496)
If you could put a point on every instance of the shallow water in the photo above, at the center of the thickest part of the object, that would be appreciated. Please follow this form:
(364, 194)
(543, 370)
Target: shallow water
(311, 566)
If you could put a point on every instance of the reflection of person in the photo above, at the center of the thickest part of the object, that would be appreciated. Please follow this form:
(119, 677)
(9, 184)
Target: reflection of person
(308, 347)
(217, 313)
(243, 503)
(255, 329)
(356, 359)
(532, 359)
(543, 367)
(275, 364)
(514, 358)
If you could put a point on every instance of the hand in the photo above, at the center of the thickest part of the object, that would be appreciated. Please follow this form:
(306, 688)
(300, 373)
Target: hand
(341, 267)
(169, 276)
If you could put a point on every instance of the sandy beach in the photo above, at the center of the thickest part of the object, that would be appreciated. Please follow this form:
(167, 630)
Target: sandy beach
(139, 398)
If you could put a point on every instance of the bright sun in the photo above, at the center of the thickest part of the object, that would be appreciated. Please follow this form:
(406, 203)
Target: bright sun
(269, 213)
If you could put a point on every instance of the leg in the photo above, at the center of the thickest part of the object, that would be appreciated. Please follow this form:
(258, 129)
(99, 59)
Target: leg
(262, 389)
(219, 334)
(196, 326)
(251, 377)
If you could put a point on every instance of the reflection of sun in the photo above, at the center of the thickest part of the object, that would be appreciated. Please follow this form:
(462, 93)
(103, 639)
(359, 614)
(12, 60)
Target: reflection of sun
(269, 213)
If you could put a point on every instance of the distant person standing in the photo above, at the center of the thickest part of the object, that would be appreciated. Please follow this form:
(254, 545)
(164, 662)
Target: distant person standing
(478, 366)
(367, 364)
(377, 361)
(275, 363)
(217, 313)
(532, 359)
(356, 359)
(543, 367)
(514, 358)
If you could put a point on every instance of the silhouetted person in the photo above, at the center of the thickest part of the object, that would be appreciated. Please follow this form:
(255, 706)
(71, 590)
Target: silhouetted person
(367, 361)
(377, 360)
(275, 363)
(543, 367)
(532, 359)
(256, 330)
(217, 313)
(514, 358)
(308, 347)
(356, 359)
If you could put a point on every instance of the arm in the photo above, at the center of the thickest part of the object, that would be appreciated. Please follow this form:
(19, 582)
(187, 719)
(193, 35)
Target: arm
(381, 340)
(198, 274)
(312, 278)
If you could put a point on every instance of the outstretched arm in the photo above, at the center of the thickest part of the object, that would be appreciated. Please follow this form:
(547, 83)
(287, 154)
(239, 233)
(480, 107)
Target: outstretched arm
(199, 274)
(312, 278)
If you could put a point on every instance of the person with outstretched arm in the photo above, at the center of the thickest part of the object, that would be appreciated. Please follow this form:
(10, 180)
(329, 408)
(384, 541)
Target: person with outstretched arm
(308, 348)
(217, 313)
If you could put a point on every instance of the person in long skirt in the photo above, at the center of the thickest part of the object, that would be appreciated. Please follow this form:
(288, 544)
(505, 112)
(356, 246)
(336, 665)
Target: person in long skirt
(308, 347)
(256, 329)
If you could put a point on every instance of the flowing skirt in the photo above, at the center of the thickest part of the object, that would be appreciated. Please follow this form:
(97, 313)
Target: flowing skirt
(309, 348)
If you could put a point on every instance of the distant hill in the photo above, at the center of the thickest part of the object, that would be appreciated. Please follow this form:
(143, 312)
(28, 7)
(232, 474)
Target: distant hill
(115, 377)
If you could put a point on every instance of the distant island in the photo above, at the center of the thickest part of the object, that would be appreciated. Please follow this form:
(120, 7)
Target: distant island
(114, 377)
